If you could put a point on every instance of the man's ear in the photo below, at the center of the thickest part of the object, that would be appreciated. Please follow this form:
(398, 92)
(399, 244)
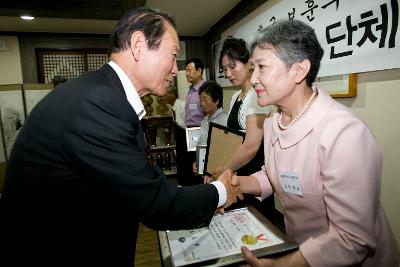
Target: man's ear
(302, 69)
(138, 44)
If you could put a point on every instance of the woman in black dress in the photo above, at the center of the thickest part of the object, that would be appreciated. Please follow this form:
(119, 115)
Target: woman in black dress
(245, 115)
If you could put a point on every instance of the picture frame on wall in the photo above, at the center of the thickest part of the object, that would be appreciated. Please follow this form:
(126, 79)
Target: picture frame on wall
(339, 86)
(12, 114)
(33, 93)
(2, 147)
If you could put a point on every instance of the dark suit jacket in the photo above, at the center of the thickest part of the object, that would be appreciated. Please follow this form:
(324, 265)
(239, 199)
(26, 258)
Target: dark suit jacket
(78, 182)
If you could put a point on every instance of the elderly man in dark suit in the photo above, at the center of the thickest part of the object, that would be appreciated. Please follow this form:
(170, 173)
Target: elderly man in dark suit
(78, 182)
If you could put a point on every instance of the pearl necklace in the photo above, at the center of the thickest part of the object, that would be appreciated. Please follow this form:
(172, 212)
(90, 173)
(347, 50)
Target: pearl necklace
(298, 115)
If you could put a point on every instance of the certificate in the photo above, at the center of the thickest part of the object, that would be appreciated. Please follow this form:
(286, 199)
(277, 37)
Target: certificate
(219, 243)
(222, 144)
(192, 137)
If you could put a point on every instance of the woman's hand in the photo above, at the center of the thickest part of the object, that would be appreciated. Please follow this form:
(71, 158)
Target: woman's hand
(208, 179)
(194, 167)
(294, 259)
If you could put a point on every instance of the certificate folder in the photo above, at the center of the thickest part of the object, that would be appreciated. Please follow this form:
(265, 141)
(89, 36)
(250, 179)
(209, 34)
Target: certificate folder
(219, 243)
(222, 143)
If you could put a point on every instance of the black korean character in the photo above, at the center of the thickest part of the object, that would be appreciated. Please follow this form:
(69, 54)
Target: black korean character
(330, 40)
(291, 14)
(367, 25)
(383, 27)
(395, 22)
(328, 4)
(311, 7)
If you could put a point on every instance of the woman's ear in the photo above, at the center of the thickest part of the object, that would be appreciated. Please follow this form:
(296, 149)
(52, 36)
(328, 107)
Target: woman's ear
(138, 43)
(302, 69)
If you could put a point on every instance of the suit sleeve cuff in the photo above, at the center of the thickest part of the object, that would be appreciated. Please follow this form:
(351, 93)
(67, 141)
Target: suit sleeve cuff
(222, 195)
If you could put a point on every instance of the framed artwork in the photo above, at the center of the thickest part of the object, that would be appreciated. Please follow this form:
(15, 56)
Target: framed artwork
(33, 93)
(2, 147)
(219, 243)
(192, 137)
(12, 114)
(339, 86)
(69, 63)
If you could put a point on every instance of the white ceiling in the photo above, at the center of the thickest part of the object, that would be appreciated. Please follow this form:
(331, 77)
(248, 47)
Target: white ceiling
(193, 18)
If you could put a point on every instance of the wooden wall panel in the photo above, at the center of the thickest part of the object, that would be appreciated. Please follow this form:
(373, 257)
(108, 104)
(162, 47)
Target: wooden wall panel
(29, 42)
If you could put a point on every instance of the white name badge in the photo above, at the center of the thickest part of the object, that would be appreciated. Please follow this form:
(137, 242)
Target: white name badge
(192, 107)
(290, 183)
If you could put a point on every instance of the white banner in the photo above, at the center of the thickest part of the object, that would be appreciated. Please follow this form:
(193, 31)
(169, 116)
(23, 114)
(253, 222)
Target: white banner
(357, 36)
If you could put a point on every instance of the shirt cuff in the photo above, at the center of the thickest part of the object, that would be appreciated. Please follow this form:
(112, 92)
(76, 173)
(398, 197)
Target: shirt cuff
(222, 195)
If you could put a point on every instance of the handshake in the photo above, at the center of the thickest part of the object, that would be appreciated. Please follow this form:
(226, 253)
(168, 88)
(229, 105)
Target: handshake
(232, 186)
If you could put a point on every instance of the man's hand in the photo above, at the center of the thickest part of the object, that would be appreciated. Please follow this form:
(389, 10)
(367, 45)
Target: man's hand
(236, 183)
(232, 191)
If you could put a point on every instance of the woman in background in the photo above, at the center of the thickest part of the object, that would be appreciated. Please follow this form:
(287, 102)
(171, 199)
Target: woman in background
(245, 115)
(211, 100)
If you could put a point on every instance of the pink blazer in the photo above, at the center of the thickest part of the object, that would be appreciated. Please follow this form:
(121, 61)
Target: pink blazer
(338, 221)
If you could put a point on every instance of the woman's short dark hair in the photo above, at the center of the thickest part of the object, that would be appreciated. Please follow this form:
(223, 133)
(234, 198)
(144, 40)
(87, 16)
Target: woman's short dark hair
(214, 90)
(149, 21)
(234, 49)
(293, 41)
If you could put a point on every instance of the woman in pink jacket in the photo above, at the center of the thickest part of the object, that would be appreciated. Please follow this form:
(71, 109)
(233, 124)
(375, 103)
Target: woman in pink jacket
(320, 159)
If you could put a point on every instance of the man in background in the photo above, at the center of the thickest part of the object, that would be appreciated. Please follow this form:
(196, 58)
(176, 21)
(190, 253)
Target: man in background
(177, 105)
(194, 75)
(193, 112)
(178, 109)
(78, 182)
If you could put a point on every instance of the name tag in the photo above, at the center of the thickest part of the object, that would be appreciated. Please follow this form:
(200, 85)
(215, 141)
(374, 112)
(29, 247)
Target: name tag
(290, 183)
(192, 107)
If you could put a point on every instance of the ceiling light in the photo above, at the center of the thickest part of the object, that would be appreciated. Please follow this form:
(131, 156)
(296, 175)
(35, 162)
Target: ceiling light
(27, 17)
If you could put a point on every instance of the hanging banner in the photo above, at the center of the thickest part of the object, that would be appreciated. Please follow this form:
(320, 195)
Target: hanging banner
(357, 36)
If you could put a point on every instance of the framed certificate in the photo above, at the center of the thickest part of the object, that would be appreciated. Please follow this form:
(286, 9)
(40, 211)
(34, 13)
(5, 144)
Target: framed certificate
(339, 86)
(33, 93)
(219, 243)
(192, 137)
(222, 143)
(12, 115)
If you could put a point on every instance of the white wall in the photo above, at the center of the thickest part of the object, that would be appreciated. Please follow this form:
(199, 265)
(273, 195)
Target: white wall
(377, 103)
(10, 61)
